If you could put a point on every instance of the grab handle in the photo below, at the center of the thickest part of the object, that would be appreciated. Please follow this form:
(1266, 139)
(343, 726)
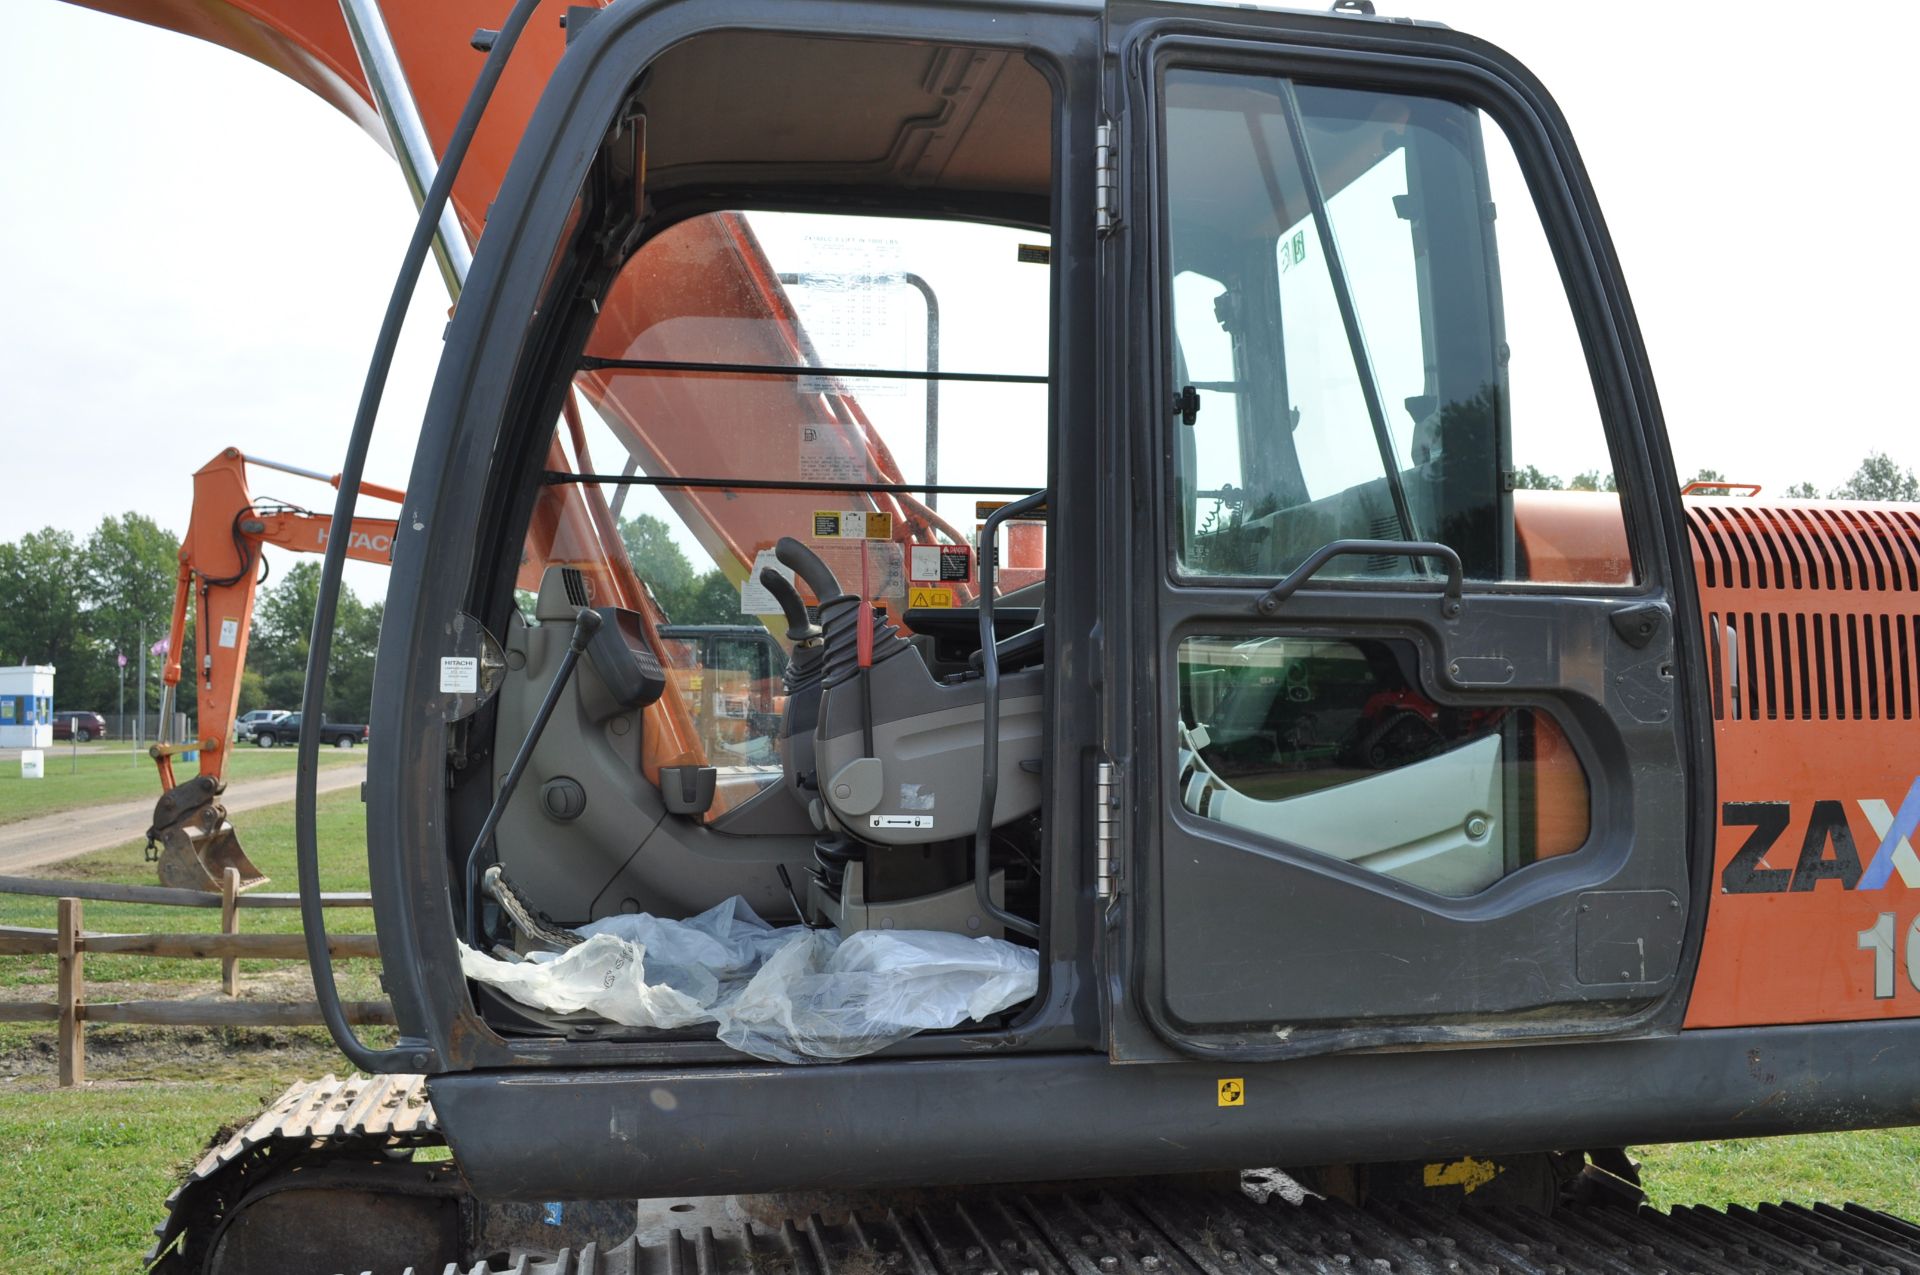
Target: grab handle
(1451, 602)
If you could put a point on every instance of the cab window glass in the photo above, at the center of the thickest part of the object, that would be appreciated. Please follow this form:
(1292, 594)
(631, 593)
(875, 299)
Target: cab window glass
(1402, 359)
(867, 385)
(1329, 745)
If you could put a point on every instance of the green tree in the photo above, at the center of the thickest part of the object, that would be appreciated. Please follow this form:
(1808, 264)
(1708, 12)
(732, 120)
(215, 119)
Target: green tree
(656, 559)
(282, 628)
(686, 596)
(710, 599)
(131, 566)
(1879, 478)
(1706, 476)
(253, 693)
(282, 638)
(1592, 480)
(42, 577)
(1532, 478)
(1802, 491)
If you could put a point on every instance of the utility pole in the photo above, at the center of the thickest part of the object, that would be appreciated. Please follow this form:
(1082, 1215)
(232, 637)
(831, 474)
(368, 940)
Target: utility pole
(120, 710)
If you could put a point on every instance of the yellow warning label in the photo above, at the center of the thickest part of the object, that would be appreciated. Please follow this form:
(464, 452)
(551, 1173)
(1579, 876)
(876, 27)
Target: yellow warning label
(930, 597)
(984, 509)
(1233, 1093)
(1468, 1174)
(851, 524)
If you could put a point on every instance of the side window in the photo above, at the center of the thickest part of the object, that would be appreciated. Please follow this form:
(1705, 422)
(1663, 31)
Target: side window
(1403, 360)
(1328, 744)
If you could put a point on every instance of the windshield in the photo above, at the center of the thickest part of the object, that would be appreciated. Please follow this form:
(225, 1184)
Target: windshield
(872, 387)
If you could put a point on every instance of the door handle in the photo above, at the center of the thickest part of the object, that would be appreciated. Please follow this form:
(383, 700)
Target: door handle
(1451, 602)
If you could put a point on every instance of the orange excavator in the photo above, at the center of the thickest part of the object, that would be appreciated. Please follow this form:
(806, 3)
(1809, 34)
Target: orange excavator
(1336, 861)
(191, 840)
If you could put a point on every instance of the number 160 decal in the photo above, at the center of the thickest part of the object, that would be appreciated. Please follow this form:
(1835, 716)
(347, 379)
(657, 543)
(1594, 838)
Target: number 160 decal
(1878, 939)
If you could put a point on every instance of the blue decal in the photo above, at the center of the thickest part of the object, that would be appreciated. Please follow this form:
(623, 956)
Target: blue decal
(1881, 869)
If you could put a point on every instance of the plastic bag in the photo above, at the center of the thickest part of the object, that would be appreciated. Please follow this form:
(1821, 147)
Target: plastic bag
(822, 997)
(604, 975)
(785, 994)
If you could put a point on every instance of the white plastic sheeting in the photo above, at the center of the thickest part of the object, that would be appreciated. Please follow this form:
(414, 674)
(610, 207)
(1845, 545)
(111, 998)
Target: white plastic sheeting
(786, 994)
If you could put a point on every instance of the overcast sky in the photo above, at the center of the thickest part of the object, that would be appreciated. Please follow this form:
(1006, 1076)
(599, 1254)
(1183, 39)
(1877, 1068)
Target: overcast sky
(196, 252)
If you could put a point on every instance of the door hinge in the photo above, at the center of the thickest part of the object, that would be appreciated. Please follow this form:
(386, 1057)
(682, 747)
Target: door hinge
(1106, 180)
(1106, 830)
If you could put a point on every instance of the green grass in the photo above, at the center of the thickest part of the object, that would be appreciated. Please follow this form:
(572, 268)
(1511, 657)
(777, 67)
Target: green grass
(1875, 1167)
(90, 1167)
(99, 777)
(101, 1160)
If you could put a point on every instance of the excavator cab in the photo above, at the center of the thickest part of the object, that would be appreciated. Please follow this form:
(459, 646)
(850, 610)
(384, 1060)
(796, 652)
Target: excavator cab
(1123, 419)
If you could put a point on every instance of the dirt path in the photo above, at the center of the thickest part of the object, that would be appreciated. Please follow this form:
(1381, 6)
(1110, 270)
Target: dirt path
(34, 843)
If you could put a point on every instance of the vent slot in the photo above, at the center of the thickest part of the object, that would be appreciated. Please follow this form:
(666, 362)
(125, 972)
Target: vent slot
(1782, 665)
(1744, 546)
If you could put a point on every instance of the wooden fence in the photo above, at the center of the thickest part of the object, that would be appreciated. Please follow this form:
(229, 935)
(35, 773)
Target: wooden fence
(70, 942)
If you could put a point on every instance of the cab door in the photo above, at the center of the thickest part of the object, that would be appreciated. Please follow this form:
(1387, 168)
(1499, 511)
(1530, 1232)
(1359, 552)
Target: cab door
(1415, 763)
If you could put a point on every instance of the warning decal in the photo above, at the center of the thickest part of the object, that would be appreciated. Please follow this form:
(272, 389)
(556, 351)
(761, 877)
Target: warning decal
(1233, 1093)
(229, 632)
(938, 564)
(835, 524)
(918, 597)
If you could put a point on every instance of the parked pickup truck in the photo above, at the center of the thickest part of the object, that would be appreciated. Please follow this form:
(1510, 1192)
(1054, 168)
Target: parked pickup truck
(249, 722)
(287, 730)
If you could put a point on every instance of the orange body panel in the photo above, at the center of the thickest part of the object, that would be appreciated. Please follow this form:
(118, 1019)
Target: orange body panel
(1563, 800)
(1812, 624)
(1571, 537)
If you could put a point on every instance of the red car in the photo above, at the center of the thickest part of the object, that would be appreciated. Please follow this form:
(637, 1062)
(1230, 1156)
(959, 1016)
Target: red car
(79, 727)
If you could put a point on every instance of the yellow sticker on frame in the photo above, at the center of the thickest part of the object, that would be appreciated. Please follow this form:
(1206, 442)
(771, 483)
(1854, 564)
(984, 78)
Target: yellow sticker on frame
(851, 524)
(1233, 1092)
(938, 598)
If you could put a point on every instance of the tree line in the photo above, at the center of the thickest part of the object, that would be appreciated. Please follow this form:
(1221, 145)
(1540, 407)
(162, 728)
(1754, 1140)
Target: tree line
(687, 596)
(81, 603)
(1878, 477)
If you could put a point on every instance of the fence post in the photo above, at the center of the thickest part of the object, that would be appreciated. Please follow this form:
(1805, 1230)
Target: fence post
(230, 924)
(73, 1041)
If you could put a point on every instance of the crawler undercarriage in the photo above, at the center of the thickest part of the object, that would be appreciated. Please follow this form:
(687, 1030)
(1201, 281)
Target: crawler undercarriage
(341, 1176)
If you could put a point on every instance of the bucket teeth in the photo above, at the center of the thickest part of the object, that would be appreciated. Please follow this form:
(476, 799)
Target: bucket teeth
(196, 843)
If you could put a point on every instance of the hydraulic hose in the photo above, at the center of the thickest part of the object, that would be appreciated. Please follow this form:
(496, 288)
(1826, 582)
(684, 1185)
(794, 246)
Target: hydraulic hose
(414, 1055)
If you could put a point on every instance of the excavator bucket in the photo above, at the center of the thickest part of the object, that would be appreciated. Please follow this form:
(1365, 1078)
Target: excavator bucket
(192, 842)
(194, 858)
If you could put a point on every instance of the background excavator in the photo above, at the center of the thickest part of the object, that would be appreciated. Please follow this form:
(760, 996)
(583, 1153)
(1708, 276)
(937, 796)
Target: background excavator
(191, 840)
(1342, 808)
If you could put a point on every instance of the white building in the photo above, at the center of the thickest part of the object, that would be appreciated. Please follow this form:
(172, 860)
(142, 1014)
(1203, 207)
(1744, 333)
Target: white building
(26, 706)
